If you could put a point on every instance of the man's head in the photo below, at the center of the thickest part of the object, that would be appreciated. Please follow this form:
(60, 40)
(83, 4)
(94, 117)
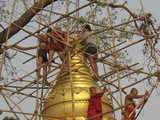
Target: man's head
(148, 15)
(49, 30)
(42, 41)
(92, 90)
(134, 91)
(87, 27)
(43, 45)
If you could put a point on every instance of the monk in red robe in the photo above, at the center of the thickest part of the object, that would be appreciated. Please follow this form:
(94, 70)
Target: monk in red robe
(129, 113)
(95, 103)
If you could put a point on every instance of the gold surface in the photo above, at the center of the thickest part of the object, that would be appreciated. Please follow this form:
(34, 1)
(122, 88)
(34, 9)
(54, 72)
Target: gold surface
(58, 104)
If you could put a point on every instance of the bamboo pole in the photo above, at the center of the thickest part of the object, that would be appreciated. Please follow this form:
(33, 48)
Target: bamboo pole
(150, 92)
(115, 57)
(20, 93)
(127, 75)
(11, 109)
(39, 105)
(14, 104)
(70, 64)
(119, 69)
(24, 99)
(135, 83)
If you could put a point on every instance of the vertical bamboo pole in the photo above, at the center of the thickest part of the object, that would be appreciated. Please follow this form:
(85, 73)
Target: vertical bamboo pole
(38, 80)
(109, 86)
(115, 57)
(70, 64)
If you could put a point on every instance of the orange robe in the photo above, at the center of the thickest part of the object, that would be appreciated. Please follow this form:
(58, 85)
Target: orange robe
(128, 111)
(158, 78)
(54, 43)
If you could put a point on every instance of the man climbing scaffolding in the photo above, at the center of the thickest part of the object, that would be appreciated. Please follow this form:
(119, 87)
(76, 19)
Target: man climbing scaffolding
(42, 56)
(129, 113)
(90, 47)
(95, 103)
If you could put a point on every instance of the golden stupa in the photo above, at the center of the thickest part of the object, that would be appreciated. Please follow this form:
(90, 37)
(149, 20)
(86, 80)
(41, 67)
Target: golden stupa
(58, 104)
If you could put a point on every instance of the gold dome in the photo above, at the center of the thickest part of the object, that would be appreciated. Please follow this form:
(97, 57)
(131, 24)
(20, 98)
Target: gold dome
(58, 104)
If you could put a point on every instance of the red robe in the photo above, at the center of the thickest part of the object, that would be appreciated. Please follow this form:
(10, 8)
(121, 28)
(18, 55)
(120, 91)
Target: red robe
(158, 78)
(54, 43)
(95, 106)
(128, 111)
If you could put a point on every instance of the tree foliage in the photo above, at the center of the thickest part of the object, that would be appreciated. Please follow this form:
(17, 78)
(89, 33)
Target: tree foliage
(9, 118)
(4, 12)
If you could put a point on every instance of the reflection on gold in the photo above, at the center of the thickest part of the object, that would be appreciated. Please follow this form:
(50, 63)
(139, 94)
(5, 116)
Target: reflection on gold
(58, 104)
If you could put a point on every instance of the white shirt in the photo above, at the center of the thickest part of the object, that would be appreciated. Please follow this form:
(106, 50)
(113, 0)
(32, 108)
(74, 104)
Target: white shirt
(89, 37)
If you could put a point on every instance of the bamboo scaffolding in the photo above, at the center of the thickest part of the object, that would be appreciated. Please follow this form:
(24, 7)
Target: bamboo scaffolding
(8, 31)
(115, 57)
(109, 86)
(146, 78)
(127, 75)
(118, 68)
(19, 93)
(11, 109)
(24, 99)
(38, 80)
(14, 104)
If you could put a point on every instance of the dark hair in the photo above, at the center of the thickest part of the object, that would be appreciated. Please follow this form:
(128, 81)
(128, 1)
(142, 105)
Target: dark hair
(92, 88)
(133, 89)
(49, 30)
(88, 27)
(148, 14)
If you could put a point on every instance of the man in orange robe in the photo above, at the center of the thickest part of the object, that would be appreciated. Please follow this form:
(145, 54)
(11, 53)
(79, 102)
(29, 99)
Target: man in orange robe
(130, 113)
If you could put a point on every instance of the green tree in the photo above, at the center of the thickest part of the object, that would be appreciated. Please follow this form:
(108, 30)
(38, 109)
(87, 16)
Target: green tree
(4, 13)
(9, 118)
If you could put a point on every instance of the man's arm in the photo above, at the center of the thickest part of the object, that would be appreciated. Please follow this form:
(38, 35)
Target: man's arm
(135, 96)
